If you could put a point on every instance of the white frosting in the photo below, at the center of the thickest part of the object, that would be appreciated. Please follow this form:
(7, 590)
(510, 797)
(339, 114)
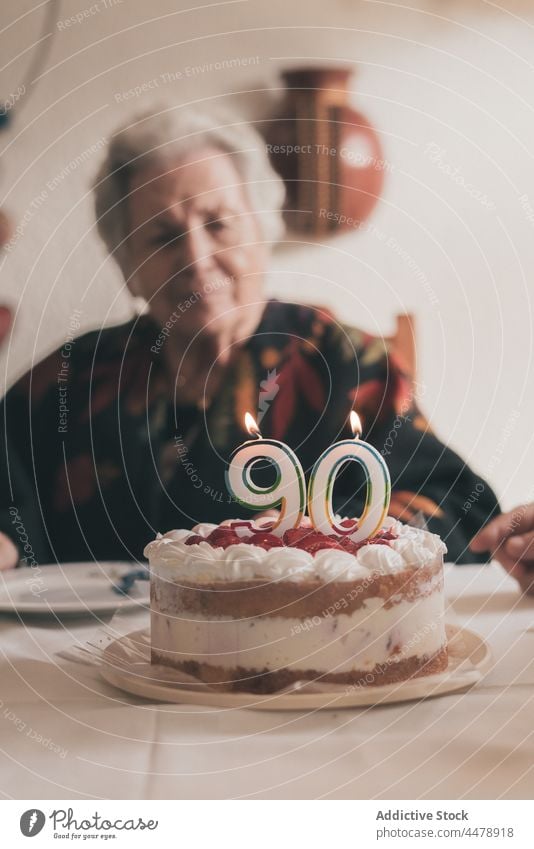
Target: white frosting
(178, 535)
(204, 529)
(333, 565)
(201, 562)
(295, 565)
(382, 558)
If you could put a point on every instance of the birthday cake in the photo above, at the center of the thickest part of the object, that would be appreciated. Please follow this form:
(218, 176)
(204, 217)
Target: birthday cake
(240, 608)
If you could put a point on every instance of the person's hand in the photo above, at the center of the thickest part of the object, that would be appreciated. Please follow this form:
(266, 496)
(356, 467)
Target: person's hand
(9, 556)
(5, 322)
(6, 229)
(5, 312)
(510, 539)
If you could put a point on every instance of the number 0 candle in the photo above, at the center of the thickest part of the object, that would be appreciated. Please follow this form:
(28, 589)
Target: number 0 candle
(288, 492)
(323, 476)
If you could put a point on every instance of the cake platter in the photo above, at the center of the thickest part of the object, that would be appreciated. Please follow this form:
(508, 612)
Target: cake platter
(125, 663)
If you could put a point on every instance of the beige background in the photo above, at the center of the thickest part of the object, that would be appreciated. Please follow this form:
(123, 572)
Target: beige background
(457, 75)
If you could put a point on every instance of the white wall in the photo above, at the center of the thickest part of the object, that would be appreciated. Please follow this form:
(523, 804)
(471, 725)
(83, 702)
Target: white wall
(457, 75)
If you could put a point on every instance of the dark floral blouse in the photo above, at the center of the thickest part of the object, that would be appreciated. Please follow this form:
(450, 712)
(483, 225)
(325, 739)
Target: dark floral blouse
(98, 455)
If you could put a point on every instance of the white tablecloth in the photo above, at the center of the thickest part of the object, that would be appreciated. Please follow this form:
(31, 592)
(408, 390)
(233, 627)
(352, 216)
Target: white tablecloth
(66, 734)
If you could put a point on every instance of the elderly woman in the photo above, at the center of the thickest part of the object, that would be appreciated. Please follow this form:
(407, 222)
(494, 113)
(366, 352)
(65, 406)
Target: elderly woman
(132, 431)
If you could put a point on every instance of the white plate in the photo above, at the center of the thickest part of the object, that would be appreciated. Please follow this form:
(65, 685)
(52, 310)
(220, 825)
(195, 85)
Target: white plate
(68, 589)
(126, 665)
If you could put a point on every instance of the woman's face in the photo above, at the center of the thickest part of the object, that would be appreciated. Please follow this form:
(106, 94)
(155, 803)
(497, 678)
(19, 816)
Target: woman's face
(195, 248)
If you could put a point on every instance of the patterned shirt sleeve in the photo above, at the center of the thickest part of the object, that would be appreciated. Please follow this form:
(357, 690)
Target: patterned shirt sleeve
(20, 516)
(431, 485)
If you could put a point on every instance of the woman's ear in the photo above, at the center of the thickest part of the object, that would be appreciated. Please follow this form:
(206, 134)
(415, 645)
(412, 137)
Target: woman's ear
(133, 285)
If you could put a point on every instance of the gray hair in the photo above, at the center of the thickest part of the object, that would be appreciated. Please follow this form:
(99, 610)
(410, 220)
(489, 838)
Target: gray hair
(170, 133)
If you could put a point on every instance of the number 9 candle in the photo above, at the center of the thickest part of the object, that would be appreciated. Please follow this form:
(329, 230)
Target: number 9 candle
(323, 476)
(289, 489)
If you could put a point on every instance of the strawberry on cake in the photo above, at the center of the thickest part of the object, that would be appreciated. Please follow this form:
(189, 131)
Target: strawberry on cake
(242, 609)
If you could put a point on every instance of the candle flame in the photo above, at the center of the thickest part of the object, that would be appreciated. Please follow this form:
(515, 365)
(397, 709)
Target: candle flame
(356, 424)
(251, 425)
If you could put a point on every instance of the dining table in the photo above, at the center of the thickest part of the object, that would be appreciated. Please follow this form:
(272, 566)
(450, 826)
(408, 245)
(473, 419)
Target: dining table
(66, 733)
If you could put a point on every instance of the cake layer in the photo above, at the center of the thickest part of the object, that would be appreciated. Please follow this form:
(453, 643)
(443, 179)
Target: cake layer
(375, 633)
(289, 599)
(266, 681)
